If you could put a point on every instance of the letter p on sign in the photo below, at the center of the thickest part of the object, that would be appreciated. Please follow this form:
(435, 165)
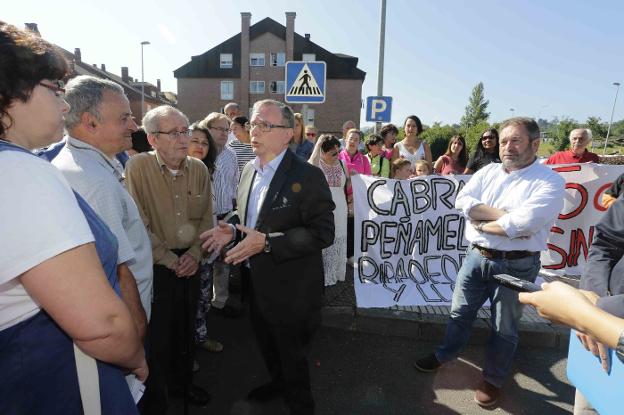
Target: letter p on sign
(378, 109)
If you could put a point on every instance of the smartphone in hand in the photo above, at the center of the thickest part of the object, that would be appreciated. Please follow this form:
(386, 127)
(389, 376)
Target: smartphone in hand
(516, 284)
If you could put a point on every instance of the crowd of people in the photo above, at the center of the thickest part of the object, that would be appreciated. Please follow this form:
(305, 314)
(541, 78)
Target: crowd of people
(119, 239)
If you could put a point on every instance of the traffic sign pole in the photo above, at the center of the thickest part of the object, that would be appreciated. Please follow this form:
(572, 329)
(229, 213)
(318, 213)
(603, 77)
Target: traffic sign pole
(380, 68)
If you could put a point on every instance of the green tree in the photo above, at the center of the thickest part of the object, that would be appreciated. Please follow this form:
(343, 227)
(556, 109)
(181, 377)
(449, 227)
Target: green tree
(560, 131)
(476, 110)
(473, 135)
(598, 128)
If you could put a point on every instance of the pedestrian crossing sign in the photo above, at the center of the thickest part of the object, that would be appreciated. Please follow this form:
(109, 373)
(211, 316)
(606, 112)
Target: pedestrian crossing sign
(305, 82)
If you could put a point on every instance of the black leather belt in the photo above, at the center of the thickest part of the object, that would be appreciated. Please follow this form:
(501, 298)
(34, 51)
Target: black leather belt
(496, 254)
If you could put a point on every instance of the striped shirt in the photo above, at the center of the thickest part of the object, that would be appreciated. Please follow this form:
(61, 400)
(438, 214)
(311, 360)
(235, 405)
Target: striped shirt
(225, 181)
(243, 151)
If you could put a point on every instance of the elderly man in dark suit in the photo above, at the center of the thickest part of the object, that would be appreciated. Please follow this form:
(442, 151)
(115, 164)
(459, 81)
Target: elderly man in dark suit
(285, 210)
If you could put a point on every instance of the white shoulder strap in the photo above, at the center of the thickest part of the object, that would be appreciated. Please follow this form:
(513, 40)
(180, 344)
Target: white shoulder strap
(88, 382)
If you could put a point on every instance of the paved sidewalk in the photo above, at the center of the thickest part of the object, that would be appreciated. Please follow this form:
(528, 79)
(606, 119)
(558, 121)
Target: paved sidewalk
(428, 322)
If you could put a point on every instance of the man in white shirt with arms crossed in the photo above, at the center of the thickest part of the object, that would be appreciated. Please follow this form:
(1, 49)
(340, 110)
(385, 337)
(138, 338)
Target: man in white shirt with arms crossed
(511, 207)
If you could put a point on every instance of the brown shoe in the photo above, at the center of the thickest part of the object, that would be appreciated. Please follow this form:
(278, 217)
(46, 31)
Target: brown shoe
(486, 394)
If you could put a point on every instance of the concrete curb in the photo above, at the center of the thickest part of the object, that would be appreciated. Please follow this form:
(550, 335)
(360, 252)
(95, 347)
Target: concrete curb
(431, 327)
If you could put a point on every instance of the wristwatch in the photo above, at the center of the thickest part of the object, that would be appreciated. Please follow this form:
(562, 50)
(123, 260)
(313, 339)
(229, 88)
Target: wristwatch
(479, 226)
(267, 244)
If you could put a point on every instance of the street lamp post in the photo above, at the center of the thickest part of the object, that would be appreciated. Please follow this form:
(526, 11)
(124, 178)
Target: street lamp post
(145, 42)
(617, 85)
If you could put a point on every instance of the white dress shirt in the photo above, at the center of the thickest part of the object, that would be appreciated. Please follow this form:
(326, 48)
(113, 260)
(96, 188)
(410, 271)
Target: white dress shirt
(260, 186)
(532, 197)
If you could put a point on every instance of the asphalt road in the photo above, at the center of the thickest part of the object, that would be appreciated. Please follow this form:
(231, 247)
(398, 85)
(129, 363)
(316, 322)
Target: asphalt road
(367, 374)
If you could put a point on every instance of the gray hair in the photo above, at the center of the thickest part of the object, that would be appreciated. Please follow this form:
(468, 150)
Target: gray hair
(85, 94)
(586, 132)
(344, 124)
(232, 105)
(151, 119)
(288, 117)
(214, 117)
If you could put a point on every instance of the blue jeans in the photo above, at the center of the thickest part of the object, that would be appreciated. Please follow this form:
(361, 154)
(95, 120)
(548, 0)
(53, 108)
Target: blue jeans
(473, 286)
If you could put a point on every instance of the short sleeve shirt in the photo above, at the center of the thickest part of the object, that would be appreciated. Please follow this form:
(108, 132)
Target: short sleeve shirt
(41, 219)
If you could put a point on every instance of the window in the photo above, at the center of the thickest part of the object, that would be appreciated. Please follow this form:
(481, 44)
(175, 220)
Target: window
(277, 87)
(309, 117)
(308, 57)
(278, 59)
(256, 59)
(226, 60)
(227, 90)
(256, 87)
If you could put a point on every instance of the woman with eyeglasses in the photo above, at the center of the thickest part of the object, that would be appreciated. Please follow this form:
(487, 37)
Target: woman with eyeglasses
(486, 152)
(310, 133)
(225, 183)
(202, 147)
(379, 164)
(454, 160)
(325, 156)
(299, 145)
(62, 322)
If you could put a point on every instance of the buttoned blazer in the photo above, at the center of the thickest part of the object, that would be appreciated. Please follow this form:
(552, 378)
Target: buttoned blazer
(297, 214)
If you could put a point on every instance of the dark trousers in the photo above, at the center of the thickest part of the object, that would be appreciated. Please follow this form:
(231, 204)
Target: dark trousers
(285, 349)
(172, 321)
(350, 235)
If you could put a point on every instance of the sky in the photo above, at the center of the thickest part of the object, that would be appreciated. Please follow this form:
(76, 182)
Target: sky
(542, 58)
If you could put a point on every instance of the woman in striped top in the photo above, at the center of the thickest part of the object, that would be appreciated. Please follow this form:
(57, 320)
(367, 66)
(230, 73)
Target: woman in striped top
(241, 145)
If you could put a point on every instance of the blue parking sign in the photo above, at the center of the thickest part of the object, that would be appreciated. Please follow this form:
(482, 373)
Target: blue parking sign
(378, 109)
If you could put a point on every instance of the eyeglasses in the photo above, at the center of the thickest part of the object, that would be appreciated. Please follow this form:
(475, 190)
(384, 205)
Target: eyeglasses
(58, 87)
(221, 129)
(265, 127)
(174, 135)
(199, 143)
(488, 137)
(333, 153)
(311, 134)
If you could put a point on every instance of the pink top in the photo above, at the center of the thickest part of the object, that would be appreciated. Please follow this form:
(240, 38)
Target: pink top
(450, 166)
(358, 163)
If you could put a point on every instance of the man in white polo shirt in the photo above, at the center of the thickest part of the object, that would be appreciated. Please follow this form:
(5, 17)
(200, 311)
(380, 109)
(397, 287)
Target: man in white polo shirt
(100, 125)
(512, 207)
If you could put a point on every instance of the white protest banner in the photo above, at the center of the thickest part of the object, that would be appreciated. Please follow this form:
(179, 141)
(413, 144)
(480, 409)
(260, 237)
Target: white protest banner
(571, 236)
(409, 239)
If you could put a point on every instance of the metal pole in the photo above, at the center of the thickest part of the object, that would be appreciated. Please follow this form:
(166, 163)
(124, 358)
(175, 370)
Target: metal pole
(145, 42)
(617, 84)
(380, 68)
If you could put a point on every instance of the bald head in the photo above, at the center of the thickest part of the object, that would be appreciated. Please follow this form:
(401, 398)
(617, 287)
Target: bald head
(232, 110)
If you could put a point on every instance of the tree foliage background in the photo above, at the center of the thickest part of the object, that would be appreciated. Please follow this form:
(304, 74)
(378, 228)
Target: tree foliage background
(475, 121)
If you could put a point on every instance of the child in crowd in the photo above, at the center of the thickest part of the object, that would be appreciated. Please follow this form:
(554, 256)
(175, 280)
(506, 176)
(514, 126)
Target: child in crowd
(423, 168)
(401, 169)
